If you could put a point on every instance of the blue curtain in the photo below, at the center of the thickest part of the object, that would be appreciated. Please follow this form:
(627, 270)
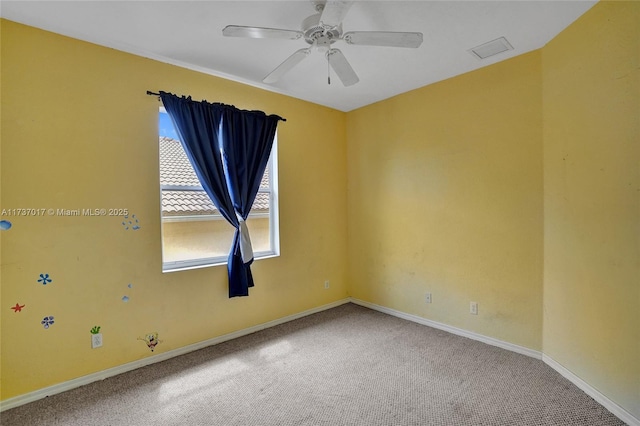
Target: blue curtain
(229, 149)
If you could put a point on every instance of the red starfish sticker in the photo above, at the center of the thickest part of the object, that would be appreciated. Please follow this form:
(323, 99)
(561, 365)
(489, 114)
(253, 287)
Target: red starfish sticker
(17, 308)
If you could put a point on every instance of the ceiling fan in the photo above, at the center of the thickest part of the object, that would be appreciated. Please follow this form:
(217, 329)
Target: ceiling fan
(320, 31)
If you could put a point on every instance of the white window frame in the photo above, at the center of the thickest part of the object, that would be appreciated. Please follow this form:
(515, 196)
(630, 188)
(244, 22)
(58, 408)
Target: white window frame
(274, 223)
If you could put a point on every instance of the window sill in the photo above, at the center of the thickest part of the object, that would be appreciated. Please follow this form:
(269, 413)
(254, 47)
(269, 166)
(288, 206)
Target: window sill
(207, 263)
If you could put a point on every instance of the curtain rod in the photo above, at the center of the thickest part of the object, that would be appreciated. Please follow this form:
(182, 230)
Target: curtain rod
(150, 93)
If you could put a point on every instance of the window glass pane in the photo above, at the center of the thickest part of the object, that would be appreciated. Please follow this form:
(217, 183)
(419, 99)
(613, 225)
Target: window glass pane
(175, 168)
(193, 230)
(196, 239)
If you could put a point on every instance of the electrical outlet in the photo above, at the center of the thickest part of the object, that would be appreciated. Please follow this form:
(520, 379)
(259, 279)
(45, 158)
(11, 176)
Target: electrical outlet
(326, 284)
(96, 340)
(473, 308)
(427, 298)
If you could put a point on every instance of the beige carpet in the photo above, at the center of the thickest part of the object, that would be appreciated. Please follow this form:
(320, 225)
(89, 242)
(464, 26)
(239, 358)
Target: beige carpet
(345, 366)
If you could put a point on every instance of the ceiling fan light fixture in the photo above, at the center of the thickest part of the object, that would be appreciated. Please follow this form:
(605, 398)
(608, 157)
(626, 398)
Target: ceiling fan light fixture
(491, 48)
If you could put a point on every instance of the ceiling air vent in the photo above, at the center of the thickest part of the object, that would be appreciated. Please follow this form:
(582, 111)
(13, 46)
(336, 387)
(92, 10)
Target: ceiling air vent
(491, 48)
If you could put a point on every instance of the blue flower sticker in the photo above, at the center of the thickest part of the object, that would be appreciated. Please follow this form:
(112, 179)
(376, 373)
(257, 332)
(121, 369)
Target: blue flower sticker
(47, 321)
(44, 279)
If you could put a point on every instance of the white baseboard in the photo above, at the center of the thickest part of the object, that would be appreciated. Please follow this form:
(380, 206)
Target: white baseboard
(453, 330)
(101, 375)
(614, 408)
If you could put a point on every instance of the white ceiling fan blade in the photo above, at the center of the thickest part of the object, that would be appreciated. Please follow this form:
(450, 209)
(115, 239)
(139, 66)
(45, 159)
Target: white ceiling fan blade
(284, 67)
(342, 68)
(334, 12)
(259, 32)
(383, 38)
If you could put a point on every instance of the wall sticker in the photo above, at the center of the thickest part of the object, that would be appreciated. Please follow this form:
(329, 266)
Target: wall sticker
(125, 298)
(151, 339)
(44, 279)
(17, 308)
(47, 321)
(131, 223)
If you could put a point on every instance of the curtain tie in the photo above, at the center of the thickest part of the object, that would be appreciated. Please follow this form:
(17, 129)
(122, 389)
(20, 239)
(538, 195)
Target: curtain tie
(246, 250)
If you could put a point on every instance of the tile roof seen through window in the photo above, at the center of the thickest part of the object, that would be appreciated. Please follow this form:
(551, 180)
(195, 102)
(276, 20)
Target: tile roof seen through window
(176, 171)
(175, 168)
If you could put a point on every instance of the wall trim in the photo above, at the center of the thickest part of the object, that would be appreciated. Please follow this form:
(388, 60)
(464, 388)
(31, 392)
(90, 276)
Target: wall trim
(453, 330)
(614, 408)
(101, 375)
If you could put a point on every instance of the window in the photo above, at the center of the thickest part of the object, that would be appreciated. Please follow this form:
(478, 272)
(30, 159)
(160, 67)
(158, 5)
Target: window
(194, 233)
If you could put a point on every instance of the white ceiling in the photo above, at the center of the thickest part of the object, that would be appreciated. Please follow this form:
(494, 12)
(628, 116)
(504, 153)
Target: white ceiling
(189, 34)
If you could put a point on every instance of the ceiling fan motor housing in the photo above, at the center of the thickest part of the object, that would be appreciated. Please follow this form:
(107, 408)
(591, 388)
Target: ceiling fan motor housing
(316, 33)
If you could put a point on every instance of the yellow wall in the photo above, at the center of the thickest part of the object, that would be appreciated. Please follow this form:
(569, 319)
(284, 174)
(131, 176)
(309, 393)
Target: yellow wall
(459, 188)
(445, 196)
(79, 131)
(1, 232)
(592, 200)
